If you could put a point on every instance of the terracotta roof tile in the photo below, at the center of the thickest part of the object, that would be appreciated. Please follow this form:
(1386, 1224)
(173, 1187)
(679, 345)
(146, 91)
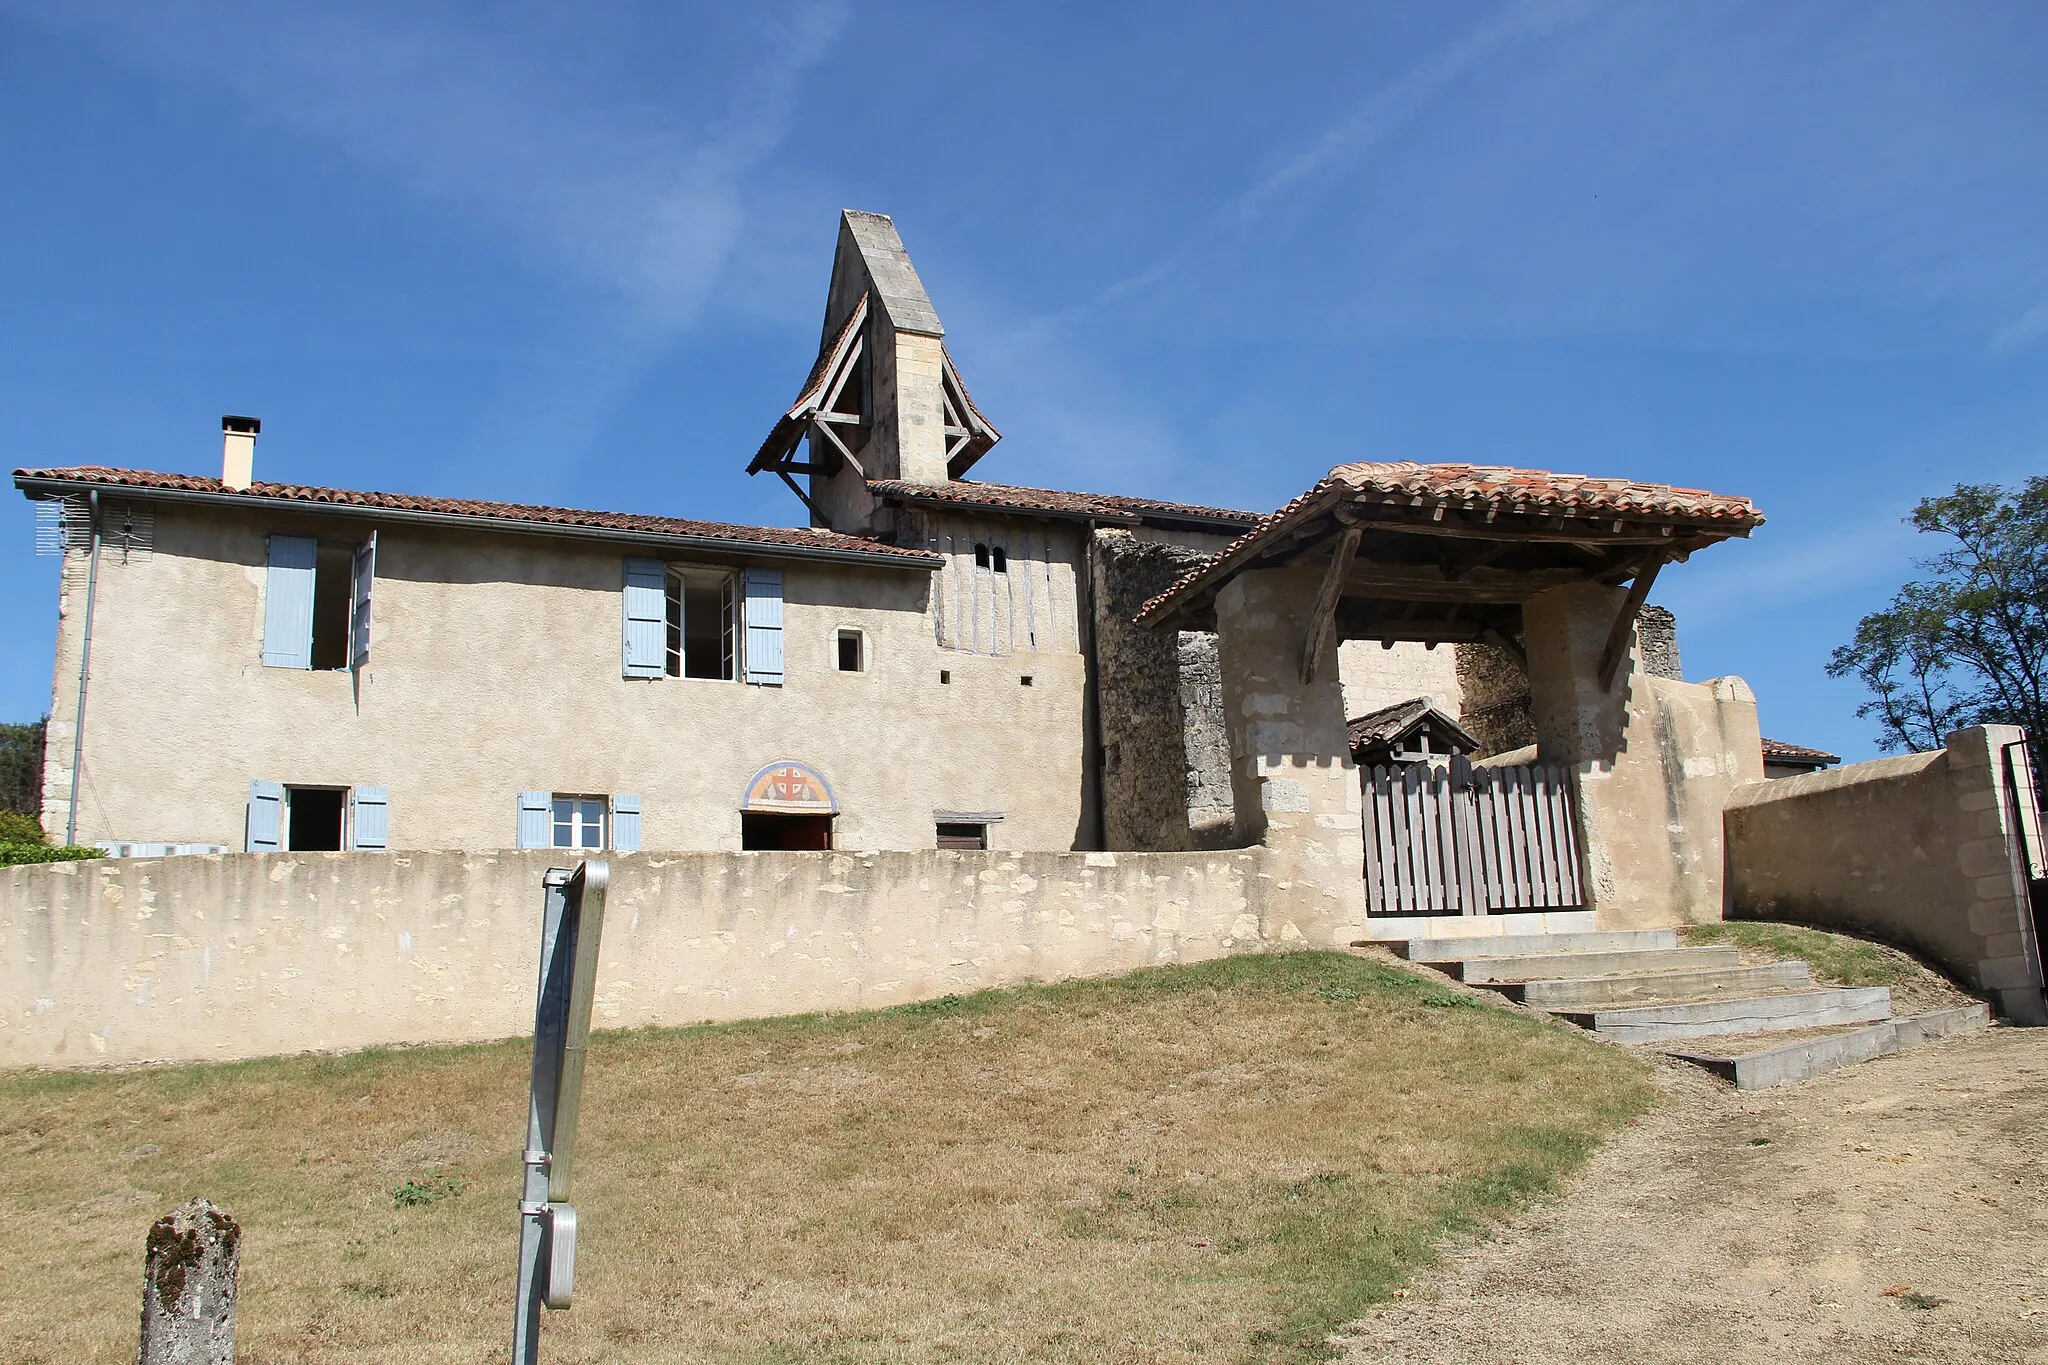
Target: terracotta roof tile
(1471, 487)
(1389, 722)
(568, 519)
(1539, 490)
(1778, 751)
(1108, 507)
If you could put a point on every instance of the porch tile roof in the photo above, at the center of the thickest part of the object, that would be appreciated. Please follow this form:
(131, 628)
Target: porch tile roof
(796, 541)
(1402, 489)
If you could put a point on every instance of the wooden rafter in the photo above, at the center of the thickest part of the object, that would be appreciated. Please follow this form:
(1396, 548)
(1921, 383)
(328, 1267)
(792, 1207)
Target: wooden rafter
(1323, 617)
(1625, 622)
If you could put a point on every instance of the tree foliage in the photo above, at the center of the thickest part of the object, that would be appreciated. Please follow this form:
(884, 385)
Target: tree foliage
(21, 767)
(1967, 644)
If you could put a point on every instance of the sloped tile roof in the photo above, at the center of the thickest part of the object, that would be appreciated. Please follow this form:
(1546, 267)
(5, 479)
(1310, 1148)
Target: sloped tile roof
(799, 541)
(1105, 507)
(1401, 485)
(1477, 486)
(1778, 751)
(1391, 722)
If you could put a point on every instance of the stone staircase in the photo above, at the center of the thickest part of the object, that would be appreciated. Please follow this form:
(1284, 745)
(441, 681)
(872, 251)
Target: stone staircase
(1770, 1024)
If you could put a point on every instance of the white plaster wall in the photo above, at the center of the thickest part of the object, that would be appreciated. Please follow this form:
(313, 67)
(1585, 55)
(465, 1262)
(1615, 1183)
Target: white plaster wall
(496, 669)
(242, 955)
(1374, 676)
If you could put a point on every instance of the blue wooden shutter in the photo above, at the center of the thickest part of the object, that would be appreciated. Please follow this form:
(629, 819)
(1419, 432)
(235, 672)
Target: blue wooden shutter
(265, 830)
(359, 615)
(533, 820)
(646, 609)
(764, 626)
(370, 815)
(626, 824)
(288, 602)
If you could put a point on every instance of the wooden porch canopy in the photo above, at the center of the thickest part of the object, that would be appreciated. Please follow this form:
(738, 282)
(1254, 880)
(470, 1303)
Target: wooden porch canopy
(1449, 552)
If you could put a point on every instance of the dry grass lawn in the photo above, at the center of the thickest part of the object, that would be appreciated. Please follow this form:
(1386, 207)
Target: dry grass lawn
(1211, 1163)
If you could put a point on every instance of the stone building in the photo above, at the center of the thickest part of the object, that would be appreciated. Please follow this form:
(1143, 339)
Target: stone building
(932, 661)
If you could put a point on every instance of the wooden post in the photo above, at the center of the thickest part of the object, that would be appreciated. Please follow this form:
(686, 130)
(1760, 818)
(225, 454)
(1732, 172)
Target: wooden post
(1323, 619)
(189, 1271)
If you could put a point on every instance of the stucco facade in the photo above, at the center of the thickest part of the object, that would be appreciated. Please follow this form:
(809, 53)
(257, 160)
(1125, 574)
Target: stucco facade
(495, 669)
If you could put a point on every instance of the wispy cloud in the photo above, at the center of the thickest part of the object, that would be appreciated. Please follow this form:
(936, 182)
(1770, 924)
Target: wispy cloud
(1341, 145)
(472, 117)
(2028, 327)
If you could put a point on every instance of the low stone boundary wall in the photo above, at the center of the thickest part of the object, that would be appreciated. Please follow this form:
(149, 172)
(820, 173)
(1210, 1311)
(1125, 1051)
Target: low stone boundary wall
(1916, 850)
(245, 955)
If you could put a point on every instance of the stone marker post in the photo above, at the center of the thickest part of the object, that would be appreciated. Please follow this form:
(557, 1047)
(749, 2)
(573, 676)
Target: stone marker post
(188, 1287)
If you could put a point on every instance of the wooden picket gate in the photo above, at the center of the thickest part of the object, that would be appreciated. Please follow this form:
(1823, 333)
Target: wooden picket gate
(1460, 840)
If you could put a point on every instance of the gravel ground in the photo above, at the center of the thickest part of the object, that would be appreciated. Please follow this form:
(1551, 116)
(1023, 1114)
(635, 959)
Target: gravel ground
(1896, 1210)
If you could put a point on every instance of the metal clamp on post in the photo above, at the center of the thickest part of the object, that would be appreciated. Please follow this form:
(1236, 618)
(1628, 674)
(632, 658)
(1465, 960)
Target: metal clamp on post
(572, 922)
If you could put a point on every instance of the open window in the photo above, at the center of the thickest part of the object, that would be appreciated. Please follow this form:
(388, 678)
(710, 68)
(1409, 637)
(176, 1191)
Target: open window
(852, 651)
(703, 624)
(316, 611)
(317, 819)
(963, 834)
(764, 831)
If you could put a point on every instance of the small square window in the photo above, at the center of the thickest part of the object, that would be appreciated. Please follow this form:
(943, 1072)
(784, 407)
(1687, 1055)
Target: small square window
(1026, 680)
(852, 652)
(945, 675)
(579, 822)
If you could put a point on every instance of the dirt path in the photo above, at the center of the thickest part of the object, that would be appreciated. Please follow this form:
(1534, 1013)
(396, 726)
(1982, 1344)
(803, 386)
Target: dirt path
(1770, 1226)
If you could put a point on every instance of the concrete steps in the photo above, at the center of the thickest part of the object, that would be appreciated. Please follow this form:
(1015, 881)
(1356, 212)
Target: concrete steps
(1666, 987)
(1737, 1014)
(1491, 971)
(1527, 945)
(1768, 1023)
(1797, 1061)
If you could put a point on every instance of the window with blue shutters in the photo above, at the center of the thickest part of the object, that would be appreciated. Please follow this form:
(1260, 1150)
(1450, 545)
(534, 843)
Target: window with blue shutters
(316, 603)
(288, 602)
(646, 618)
(370, 818)
(264, 831)
(763, 617)
(532, 826)
(625, 824)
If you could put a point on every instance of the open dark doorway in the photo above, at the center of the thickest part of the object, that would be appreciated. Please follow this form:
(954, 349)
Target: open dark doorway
(313, 824)
(764, 830)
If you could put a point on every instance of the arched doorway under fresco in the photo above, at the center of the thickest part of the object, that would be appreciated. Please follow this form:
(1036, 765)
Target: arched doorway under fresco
(789, 806)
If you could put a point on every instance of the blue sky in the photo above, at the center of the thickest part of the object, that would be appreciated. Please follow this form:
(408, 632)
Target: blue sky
(577, 254)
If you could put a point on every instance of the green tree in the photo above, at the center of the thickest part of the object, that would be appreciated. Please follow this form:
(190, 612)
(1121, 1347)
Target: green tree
(1968, 644)
(21, 767)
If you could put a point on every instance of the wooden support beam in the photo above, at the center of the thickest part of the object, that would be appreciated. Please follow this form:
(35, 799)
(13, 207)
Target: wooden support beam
(1428, 583)
(1589, 534)
(784, 475)
(1508, 643)
(1323, 617)
(1625, 623)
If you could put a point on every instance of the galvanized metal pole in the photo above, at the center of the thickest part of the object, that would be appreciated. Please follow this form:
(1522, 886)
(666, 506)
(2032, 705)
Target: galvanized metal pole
(572, 924)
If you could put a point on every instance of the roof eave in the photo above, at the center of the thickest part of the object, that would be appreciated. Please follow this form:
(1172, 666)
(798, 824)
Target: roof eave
(31, 486)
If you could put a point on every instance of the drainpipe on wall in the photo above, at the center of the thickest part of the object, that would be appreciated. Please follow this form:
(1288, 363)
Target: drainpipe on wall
(92, 584)
(1091, 705)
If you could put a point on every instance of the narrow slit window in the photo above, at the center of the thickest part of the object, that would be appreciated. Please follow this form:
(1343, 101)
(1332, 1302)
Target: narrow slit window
(980, 554)
(852, 652)
(998, 560)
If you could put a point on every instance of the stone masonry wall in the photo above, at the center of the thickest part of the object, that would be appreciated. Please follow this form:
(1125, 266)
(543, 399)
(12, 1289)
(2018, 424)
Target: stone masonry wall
(1917, 850)
(1145, 770)
(223, 956)
(1496, 692)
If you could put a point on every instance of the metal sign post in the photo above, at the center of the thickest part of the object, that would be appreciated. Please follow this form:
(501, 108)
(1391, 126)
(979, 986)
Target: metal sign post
(572, 922)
